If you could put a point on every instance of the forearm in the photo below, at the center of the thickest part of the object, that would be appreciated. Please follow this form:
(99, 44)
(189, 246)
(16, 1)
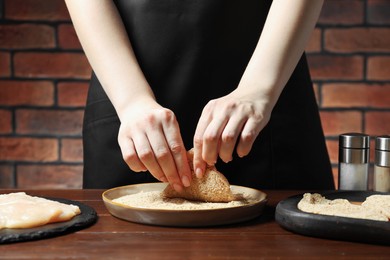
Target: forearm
(285, 34)
(149, 135)
(108, 49)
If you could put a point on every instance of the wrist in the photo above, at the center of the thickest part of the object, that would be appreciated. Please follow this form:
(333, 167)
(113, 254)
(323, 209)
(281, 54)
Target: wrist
(135, 104)
(267, 91)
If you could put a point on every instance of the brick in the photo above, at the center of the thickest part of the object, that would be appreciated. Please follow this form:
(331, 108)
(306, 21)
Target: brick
(335, 123)
(5, 64)
(316, 89)
(19, 36)
(5, 121)
(72, 94)
(357, 40)
(333, 150)
(314, 44)
(71, 150)
(36, 93)
(49, 122)
(378, 12)
(345, 12)
(28, 149)
(378, 68)
(67, 37)
(326, 67)
(335, 171)
(7, 176)
(348, 95)
(49, 176)
(43, 10)
(377, 123)
(51, 65)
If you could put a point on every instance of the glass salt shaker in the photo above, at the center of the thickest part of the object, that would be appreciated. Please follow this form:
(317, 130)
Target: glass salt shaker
(354, 151)
(382, 164)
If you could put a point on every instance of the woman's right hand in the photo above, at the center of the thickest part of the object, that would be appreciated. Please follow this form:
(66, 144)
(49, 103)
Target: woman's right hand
(149, 134)
(150, 139)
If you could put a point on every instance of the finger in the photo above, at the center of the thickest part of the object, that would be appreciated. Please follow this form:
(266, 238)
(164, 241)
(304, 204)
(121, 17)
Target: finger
(248, 136)
(130, 156)
(178, 152)
(180, 157)
(162, 155)
(146, 155)
(198, 162)
(229, 137)
(211, 140)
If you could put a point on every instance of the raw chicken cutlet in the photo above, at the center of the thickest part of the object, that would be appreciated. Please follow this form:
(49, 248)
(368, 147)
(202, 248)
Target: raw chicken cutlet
(19, 210)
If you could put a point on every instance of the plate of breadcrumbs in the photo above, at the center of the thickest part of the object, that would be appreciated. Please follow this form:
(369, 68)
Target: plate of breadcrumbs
(157, 204)
(360, 216)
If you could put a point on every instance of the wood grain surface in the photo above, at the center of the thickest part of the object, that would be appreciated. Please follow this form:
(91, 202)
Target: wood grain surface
(112, 238)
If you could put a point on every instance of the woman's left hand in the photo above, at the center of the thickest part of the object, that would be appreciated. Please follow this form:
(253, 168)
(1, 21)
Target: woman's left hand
(239, 117)
(236, 118)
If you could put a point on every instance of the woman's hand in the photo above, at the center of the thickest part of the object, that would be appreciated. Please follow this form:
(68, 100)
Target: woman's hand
(241, 115)
(234, 119)
(149, 137)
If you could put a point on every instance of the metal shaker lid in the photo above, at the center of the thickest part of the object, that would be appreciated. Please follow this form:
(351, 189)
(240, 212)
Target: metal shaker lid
(382, 151)
(382, 143)
(354, 140)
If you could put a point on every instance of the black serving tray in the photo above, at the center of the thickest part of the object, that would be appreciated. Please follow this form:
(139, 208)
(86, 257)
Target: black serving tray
(87, 217)
(333, 227)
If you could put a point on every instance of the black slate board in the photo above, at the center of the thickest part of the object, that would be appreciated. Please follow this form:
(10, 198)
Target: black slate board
(87, 217)
(332, 227)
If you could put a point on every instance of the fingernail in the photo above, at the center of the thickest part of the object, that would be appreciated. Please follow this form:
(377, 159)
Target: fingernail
(177, 187)
(199, 173)
(185, 181)
(212, 163)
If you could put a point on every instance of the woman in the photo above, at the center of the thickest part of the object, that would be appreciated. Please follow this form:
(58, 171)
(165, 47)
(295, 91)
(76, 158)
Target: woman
(226, 77)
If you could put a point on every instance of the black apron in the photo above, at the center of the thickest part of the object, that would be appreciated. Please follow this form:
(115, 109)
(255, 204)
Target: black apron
(192, 51)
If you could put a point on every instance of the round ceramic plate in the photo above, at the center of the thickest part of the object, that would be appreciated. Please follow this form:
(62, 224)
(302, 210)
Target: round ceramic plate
(183, 218)
(333, 227)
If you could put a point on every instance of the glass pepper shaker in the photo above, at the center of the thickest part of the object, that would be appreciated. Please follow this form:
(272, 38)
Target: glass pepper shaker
(354, 151)
(382, 164)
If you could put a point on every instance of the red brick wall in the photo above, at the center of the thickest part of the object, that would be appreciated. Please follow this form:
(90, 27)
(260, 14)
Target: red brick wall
(43, 84)
(44, 79)
(349, 58)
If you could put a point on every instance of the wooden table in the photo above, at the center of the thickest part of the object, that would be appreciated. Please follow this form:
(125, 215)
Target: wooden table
(112, 238)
